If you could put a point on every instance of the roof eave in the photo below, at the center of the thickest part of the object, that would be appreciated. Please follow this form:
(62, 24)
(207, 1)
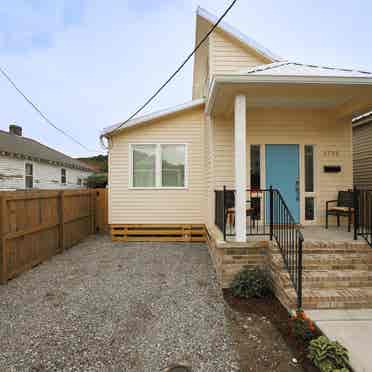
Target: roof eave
(116, 128)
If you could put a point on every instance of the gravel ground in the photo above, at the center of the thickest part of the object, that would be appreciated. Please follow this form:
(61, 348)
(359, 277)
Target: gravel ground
(104, 306)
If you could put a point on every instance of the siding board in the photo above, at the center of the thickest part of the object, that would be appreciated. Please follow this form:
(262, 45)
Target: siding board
(229, 56)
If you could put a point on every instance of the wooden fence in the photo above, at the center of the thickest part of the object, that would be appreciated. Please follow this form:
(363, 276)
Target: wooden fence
(36, 225)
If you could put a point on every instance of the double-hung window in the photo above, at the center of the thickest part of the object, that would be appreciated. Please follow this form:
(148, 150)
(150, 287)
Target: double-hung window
(63, 176)
(29, 176)
(158, 166)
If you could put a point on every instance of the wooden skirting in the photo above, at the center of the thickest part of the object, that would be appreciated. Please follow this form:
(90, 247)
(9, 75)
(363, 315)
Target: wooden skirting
(158, 233)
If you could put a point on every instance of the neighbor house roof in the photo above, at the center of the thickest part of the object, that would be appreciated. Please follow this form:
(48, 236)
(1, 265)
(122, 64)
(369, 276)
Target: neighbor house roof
(363, 119)
(235, 33)
(27, 148)
(153, 116)
(287, 68)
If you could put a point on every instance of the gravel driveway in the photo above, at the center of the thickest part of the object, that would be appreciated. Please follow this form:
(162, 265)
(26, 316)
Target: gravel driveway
(104, 306)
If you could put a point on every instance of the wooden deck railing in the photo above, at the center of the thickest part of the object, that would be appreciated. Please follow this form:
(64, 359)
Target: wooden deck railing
(36, 225)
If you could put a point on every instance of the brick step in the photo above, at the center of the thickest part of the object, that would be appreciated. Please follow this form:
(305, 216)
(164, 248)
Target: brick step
(362, 248)
(331, 262)
(343, 298)
(330, 279)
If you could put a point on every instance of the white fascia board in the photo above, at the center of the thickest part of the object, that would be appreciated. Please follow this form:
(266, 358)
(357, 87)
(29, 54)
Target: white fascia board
(298, 79)
(153, 116)
(232, 31)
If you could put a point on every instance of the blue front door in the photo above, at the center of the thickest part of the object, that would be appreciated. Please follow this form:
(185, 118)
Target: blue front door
(282, 173)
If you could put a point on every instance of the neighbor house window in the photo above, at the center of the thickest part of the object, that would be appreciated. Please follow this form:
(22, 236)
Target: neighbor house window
(159, 165)
(255, 167)
(63, 176)
(29, 176)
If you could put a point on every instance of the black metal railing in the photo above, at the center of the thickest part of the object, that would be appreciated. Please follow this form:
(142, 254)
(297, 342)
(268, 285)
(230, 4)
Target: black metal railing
(256, 207)
(267, 215)
(287, 234)
(363, 215)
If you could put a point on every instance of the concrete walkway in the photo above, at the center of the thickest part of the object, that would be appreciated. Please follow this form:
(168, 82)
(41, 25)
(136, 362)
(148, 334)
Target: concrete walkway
(353, 329)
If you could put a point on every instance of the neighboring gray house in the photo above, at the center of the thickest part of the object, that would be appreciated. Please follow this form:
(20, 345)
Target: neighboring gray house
(362, 151)
(28, 164)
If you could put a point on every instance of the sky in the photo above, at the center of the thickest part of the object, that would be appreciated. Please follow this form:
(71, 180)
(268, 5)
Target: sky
(89, 64)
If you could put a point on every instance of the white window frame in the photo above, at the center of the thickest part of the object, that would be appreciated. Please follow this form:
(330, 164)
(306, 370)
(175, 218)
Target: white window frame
(64, 183)
(158, 166)
(33, 174)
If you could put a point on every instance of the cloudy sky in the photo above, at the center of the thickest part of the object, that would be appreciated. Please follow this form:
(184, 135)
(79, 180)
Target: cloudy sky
(91, 63)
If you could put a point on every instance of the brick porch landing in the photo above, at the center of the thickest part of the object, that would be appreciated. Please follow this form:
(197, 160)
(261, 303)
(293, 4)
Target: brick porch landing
(332, 234)
(337, 271)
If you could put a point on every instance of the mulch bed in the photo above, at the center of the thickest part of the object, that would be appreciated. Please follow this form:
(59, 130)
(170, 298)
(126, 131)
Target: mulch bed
(271, 309)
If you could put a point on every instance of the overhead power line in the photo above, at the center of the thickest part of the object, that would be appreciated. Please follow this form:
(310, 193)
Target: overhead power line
(36, 108)
(180, 67)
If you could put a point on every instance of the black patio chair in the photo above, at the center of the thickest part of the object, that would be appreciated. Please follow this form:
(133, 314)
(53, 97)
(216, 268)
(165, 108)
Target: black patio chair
(344, 207)
(230, 209)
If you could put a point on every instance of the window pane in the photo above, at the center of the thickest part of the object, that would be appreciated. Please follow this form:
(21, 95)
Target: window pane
(309, 208)
(255, 167)
(144, 164)
(309, 168)
(28, 169)
(29, 179)
(173, 165)
(63, 176)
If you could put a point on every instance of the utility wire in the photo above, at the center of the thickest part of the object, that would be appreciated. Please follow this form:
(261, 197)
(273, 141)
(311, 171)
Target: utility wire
(28, 100)
(181, 66)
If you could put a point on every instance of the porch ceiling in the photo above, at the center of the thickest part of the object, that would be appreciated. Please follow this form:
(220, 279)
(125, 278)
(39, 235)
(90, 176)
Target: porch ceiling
(347, 100)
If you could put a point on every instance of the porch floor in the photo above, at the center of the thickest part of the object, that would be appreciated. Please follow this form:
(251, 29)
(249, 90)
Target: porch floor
(333, 233)
(314, 233)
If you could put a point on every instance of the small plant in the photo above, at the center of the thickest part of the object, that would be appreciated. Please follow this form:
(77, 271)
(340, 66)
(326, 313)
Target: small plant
(301, 326)
(328, 356)
(250, 283)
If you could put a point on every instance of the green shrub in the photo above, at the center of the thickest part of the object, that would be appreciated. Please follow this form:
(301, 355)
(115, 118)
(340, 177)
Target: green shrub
(251, 283)
(328, 356)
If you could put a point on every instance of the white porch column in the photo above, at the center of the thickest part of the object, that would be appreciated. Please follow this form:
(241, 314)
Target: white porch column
(240, 167)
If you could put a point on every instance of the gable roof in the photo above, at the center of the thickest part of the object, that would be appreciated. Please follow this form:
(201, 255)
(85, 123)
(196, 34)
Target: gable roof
(287, 68)
(236, 34)
(27, 148)
(153, 116)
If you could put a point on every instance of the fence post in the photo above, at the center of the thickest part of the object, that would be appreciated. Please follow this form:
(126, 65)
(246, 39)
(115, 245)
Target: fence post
(93, 199)
(224, 212)
(271, 212)
(3, 246)
(356, 212)
(61, 221)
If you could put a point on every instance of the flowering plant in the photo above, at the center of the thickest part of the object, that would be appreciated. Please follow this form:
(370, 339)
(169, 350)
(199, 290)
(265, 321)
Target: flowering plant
(302, 326)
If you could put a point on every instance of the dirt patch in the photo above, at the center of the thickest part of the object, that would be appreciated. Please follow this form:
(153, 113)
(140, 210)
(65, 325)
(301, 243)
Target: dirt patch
(262, 336)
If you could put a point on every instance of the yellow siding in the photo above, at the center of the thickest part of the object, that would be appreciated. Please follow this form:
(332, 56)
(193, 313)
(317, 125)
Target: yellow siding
(159, 206)
(362, 152)
(285, 126)
(227, 55)
(209, 172)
